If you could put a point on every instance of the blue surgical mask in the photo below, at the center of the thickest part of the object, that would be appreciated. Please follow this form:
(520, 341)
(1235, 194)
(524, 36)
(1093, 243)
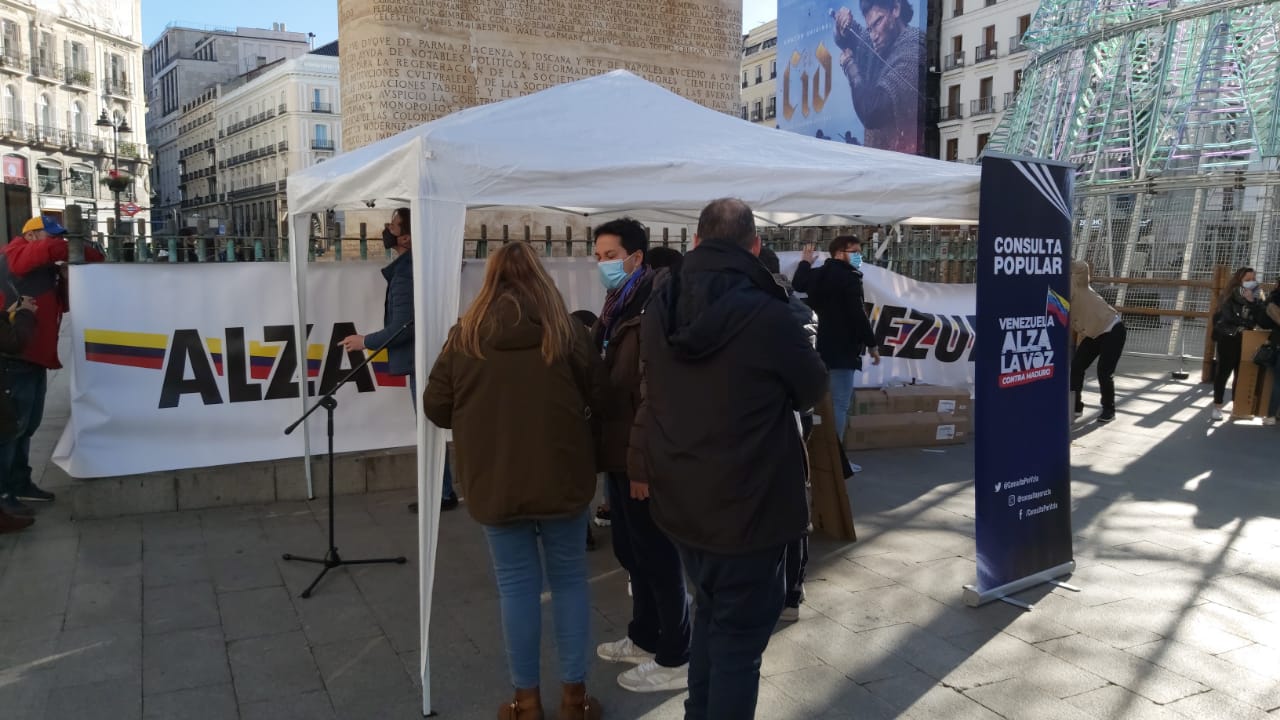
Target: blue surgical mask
(1250, 284)
(855, 259)
(612, 274)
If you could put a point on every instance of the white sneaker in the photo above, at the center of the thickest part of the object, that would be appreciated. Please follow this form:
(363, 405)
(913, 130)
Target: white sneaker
(652, 677)
(623, 651)
(790, 614)
(1216, 414)
(1269, 421)
(855, 467)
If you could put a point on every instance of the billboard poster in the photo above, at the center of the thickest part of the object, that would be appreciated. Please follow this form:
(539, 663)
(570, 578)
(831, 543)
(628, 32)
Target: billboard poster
(853, 72)
(1022, 416)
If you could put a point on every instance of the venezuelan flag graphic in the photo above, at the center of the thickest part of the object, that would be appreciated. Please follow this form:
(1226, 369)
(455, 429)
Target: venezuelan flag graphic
(215, 352)
(262, 358)
(1057, 306)
(381, 365)
(141, 350)
(315, 357)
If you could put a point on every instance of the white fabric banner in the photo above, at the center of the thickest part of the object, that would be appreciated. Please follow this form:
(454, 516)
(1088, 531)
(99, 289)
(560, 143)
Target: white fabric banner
(927, 329)
(187, 366)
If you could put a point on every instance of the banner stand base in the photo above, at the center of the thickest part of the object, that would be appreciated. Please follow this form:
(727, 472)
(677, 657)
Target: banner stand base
(974, 598)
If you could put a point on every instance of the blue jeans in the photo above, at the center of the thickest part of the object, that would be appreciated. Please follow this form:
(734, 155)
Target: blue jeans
(27, 385)
(519, 571)
(448, 472)
(841, 380)
(739, 601)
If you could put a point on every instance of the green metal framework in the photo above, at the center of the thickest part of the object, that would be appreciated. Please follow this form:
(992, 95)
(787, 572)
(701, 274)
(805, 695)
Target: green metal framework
(1170, 110)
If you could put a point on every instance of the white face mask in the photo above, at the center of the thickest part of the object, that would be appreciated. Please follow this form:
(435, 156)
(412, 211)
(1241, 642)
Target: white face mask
(1250, 284)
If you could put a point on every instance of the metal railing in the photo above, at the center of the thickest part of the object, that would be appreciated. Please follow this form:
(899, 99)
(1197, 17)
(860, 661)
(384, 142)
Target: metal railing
(951, 112)
(321, 144)
(320, 107)
(982, 106)
(13, 62)
(79, 77)
(45, 69)
(247, 123)
(983, 53)
(116, 86)
(954, 61)
(1016, 45)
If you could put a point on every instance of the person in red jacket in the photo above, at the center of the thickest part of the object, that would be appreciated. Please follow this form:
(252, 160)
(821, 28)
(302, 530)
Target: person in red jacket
(32, 265)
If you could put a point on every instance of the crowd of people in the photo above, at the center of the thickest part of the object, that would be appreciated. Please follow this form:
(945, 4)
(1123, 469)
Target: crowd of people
(692, 393)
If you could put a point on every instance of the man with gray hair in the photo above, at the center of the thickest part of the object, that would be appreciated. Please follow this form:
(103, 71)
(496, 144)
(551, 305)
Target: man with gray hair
(726, 367)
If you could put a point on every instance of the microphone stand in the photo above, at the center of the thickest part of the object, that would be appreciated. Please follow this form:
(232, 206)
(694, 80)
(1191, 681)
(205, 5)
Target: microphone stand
(331, 558)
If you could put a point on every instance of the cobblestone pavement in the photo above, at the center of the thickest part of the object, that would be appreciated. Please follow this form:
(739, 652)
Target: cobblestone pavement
(193, 615)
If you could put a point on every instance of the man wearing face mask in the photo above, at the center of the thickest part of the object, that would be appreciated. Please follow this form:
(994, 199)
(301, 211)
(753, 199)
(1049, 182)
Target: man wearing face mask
(397, 311)
(844, 332)
(657, 639)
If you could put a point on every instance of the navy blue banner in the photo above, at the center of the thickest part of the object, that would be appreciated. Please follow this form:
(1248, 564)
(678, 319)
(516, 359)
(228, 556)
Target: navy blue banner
(1022, 415)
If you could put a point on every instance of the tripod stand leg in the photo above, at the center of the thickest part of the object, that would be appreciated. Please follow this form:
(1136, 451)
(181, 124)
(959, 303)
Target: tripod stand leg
(307, 593)
(376, 561)
(296, 558)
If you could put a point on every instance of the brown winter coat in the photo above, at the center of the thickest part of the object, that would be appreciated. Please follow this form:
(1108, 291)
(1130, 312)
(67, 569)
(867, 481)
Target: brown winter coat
(622, 362)
(521, 428)
(1090, 314)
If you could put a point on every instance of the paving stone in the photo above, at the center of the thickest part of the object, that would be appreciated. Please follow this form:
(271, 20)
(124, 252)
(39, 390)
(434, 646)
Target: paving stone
(119, 699)
(841, 649)
(935, 656)
(1096, 623)
(95, 654)
(271, 667)
(183, 660)
(337, 613)
(1217, 705)
(1019, 698)
(825, 692)
(251, 613)
(34, 595)
(785, 656)
(187, 565)
(185, 606)
(25, 693)
(359, 672)
(919, 695)
(1184, 626)
(244, 572)
(1261, 659)
(307, 706)
(28, 644)
(110, 602)
(1052, 674)
(1114, 701)
(217, 702)
(1128, 671)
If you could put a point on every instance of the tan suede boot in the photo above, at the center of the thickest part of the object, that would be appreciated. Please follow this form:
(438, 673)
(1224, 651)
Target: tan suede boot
(576, 704)
(527, 705)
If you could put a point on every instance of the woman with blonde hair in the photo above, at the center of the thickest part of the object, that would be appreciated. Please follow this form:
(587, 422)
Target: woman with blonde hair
(517, 382)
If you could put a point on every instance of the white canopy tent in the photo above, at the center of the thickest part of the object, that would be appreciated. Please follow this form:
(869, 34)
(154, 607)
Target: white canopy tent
(612, 144)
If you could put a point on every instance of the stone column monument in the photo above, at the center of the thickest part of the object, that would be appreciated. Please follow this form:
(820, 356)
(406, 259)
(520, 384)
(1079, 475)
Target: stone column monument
(405, 62)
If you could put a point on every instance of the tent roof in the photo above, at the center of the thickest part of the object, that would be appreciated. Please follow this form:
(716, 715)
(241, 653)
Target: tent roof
(616, 142)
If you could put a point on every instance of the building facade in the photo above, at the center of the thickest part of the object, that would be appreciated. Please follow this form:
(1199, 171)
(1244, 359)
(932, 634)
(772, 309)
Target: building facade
(982, 55)
(759, 75)
(281, 120)
(59, 73)
(181, 66)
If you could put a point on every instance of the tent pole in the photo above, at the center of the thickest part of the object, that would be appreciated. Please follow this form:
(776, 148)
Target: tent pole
(298, 264)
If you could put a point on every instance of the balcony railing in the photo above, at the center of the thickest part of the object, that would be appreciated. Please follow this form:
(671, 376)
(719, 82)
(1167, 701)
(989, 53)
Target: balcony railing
(953, 62)
(982, 106)
(116, 86)
(319, 107)
(249, 156)
(1016, 45)
(192, 150)
(79, 77)
(321, 144)
(1009, 98)
(770, 113)
(982, 53)
(951, 112)
(247, 123)
(262, 189)
(756, 116)
(13, 62)
(282, 109)
(957, 11)
(46, 70)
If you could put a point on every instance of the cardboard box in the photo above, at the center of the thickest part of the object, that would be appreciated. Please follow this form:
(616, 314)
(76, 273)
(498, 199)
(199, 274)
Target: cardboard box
(929, 399)
(898, 430)
(1253, 383)
(910, 399)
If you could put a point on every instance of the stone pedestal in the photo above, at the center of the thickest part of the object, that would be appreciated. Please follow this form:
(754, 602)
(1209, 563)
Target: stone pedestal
(406, 62)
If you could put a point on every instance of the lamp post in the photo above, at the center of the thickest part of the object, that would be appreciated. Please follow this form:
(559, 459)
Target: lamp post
(123, 128)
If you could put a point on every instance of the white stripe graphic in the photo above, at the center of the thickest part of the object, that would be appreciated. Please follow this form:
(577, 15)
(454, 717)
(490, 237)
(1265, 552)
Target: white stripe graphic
(1044, 185)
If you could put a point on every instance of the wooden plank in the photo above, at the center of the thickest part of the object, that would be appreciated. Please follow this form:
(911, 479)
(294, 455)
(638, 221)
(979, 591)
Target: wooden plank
(1161, 312)
(1154, 282)
(1247, 397)
(832, 515)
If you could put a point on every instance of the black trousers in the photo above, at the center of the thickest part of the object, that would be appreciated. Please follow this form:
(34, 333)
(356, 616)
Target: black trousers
(1106, 349)
(797, 562)
(659, 605)
(1228, 361)
(739, 600)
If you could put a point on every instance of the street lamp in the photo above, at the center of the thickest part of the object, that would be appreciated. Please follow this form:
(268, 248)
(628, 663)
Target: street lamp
(123, 128)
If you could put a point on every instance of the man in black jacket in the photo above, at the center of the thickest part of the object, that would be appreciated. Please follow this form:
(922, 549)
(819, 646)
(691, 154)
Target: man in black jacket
(726, 369)
(844, 332)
